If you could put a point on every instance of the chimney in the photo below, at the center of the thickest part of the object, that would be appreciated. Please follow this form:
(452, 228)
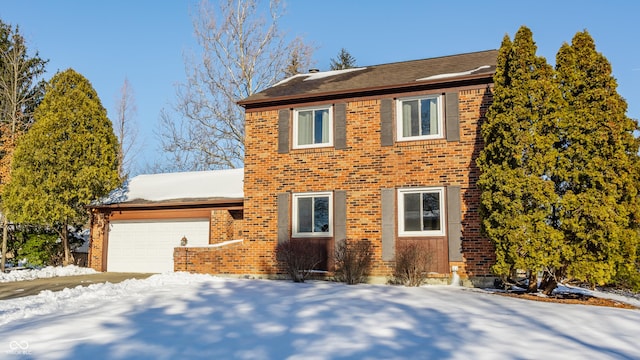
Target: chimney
(314, 70)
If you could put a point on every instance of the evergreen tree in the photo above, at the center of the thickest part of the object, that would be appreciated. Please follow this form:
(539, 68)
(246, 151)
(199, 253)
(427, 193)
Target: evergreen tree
(344, 61)
(20, 92)
(66, 160)
(518, 197)
(597, 173)
(559, 167)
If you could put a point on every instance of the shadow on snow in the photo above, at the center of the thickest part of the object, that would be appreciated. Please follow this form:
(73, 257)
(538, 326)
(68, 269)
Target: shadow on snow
(252, 321)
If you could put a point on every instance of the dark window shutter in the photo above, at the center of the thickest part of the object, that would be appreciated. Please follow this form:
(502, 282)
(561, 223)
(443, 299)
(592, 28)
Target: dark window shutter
(386, 122)
(339, 216)
(283, 131)
(388, 225)
(454, 223)
(340, 126)
(451, 111)
(283, 217)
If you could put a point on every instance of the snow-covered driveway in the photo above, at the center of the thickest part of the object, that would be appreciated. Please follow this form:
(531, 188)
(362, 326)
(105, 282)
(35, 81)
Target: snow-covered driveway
(182, 316)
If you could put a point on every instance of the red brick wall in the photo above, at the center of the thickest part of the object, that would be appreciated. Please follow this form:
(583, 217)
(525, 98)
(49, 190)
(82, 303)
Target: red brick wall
(363, 169)
(225, 259)
(97, 239)
(225, 225)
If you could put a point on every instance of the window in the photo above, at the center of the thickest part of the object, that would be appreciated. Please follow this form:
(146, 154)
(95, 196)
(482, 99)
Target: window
(312, 214)
(312, 127)
(421, 212)
(420, 118)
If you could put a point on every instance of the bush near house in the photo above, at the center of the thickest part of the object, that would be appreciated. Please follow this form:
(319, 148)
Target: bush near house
(39, 246)
(298, 259)
(353, 261)
(412, 263)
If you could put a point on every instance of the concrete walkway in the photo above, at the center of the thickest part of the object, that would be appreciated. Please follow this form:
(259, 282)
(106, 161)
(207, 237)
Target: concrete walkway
(15, 289)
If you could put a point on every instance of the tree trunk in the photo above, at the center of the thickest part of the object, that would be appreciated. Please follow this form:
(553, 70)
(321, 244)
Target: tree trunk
(533, 282)
(549, 282)
(5, 234)
(64, 235)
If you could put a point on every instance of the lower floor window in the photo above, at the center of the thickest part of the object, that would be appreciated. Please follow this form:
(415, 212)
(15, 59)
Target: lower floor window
(312, 214)
(420, 212)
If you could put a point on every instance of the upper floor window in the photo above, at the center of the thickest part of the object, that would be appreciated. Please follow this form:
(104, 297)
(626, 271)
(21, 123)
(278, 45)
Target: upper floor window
(312, 214)
(312, 127)
(420, 118)
(420, 212)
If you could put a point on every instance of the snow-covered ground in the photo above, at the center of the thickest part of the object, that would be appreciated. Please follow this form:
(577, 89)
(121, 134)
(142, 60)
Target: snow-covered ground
(182, 316)
(46, 272)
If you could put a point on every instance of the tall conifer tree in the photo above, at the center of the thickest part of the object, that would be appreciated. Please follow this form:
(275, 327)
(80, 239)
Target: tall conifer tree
(21, 89)
(67, 159)
(597, 173)
(518, 197)
(343, 61)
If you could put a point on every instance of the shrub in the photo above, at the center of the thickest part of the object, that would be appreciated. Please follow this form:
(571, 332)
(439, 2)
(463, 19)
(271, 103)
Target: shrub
(41, 249)
(298, 258)
(353, 261)
(628, 278)
(413, 259)
(39, 246)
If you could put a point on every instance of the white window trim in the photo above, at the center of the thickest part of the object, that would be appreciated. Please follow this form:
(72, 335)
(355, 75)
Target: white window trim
(399, 128)
(295, 127)
(401, 231)
(294, 215)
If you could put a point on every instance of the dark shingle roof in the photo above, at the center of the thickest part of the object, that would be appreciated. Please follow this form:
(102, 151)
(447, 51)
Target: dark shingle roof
(377, 77)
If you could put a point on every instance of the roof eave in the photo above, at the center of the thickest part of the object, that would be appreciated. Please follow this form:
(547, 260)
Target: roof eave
(484, 78)
(183, 203)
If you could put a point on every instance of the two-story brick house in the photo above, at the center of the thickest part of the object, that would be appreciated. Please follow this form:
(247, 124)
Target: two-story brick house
(385, 153)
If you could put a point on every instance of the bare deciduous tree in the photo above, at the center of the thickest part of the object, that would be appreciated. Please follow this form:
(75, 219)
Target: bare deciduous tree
(242, 52)
(126, 130)
(299, 59)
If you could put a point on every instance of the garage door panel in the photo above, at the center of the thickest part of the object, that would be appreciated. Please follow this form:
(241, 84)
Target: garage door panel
(147, 246)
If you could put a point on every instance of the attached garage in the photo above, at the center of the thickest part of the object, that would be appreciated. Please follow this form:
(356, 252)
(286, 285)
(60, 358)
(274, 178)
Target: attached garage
(139, 226)
(147, 245)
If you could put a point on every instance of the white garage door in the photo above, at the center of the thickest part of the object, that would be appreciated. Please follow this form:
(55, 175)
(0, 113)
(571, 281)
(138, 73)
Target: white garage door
(147, 246)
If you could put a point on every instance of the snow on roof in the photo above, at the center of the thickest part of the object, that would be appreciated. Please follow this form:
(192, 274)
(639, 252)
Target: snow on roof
(226, 184)
(442, 76)
(318, 75)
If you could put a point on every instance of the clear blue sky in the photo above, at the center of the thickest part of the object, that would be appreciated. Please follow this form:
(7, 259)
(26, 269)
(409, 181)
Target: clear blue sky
(144, 40)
